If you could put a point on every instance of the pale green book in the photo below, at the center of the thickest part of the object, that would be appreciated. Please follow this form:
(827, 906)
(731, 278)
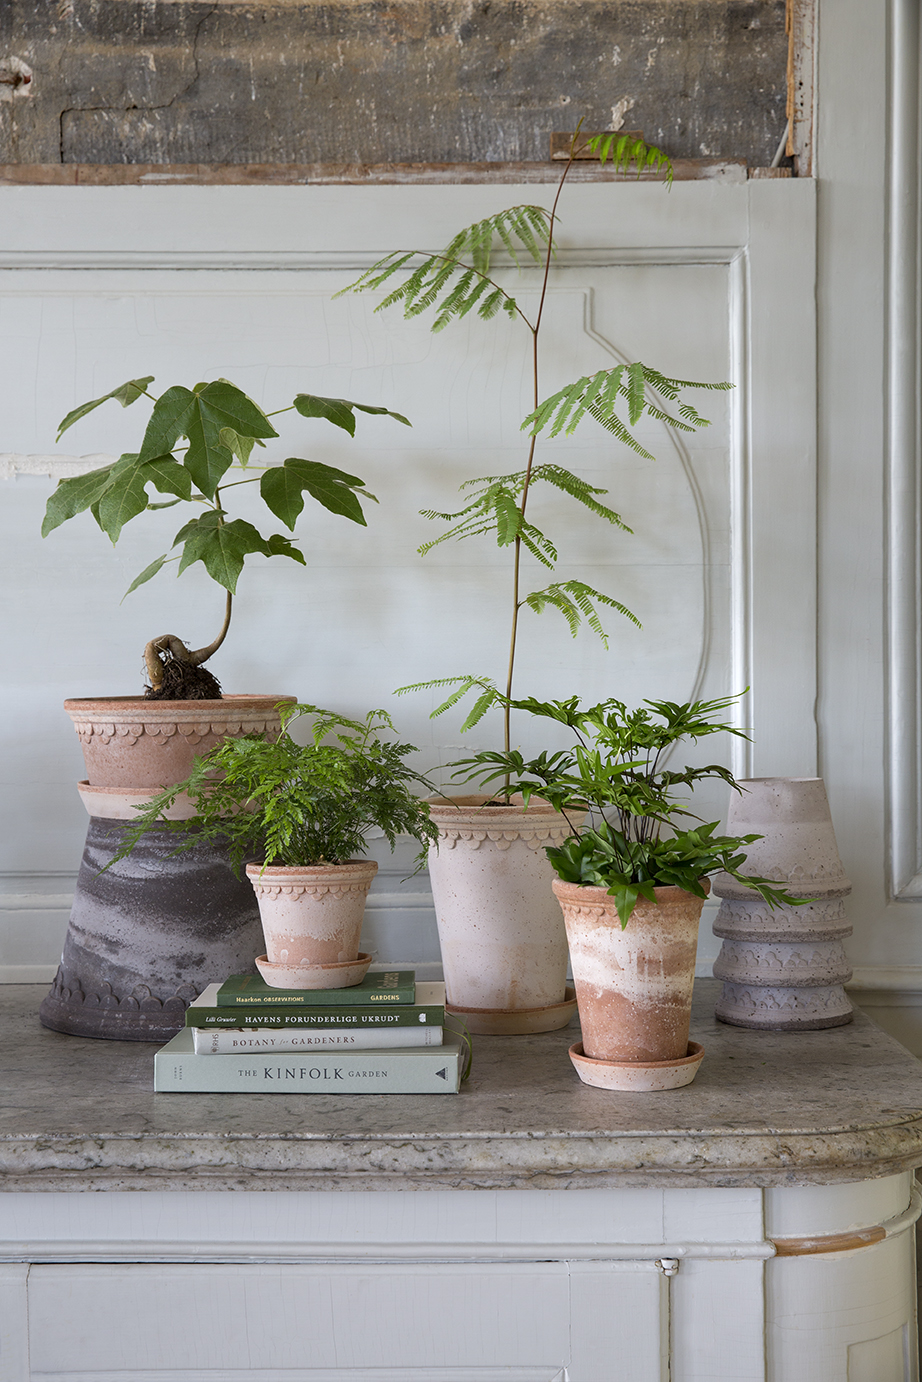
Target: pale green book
(436, 1070)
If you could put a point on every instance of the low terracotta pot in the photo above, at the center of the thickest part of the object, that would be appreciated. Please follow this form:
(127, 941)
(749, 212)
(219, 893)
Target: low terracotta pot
(312, 919)
(503, 943)
(633, 985)
(128, 741)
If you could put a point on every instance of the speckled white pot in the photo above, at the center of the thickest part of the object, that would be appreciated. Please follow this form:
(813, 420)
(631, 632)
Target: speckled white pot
(504, 946)
(312, 915)
(784, 967)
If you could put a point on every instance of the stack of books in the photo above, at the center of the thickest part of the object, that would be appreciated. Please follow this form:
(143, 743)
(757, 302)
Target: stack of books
(385, 1035)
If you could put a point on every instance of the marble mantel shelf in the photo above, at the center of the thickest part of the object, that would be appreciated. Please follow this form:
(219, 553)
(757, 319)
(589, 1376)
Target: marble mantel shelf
(766, 1110)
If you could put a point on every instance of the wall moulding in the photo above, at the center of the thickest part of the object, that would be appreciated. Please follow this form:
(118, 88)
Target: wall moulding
(904, 510)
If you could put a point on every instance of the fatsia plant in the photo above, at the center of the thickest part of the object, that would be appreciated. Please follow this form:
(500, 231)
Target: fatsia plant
(299, 804)
(194, 440)
(635, 837)
(460, 279)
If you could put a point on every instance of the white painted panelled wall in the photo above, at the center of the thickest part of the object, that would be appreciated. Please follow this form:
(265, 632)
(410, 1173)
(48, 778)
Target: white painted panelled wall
(707, 281)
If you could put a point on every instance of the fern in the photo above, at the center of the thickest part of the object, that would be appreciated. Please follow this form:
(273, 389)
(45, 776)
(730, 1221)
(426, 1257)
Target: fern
(598, 394)
(625, 151)
(458, 280)
(575, 599)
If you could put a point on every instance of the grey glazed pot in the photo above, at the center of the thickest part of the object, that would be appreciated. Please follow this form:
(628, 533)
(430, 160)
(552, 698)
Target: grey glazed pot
(147, 935)
(784, 967)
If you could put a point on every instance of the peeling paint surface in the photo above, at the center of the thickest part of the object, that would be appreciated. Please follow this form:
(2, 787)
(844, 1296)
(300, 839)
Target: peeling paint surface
(378, 81)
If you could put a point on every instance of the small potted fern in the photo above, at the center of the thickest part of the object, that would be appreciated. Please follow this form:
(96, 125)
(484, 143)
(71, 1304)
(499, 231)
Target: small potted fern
(305, 812)
(503, 943)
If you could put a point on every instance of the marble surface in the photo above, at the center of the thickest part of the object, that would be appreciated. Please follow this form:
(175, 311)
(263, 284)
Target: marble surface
(766, 1109)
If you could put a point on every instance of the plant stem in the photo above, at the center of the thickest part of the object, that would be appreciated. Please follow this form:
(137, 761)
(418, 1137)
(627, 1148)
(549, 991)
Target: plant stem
(517, 558)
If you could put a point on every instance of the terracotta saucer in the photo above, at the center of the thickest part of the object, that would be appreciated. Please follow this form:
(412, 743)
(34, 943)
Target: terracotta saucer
(505, 1022)
(341, 975)
(637, 1075)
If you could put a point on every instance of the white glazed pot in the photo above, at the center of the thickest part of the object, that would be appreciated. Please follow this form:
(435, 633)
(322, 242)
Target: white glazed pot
(504, 945)
(312, 921)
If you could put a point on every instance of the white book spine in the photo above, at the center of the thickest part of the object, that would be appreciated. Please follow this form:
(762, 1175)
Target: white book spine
(228, 1041)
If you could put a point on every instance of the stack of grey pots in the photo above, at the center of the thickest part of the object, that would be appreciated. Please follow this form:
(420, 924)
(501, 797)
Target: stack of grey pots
(784, 967)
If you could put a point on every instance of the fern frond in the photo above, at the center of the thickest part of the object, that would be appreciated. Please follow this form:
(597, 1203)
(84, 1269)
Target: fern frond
(461, 270)
(575, 600)
(625, 152)
(579, 490)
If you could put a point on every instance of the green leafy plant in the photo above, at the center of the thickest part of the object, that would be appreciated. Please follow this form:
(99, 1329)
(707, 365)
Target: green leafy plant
(220, 427)
(460, 280)
(295, 804)
(632, 841)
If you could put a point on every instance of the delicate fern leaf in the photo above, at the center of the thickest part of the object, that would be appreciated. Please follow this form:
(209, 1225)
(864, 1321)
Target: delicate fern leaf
(624, 152)
(379, 273)
(473, 297)
(480, 707)
(508, 519)
(660, 415)
(491, 305)
(612, 423)
(635, 392)
(450, 306)
(575, 600)
(539, 600)
(540, 546)
(481, 242)
(580, 491)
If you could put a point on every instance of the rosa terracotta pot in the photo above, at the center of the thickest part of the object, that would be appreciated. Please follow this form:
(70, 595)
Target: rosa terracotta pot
(312, 921)
(503, 942)
(633, 984)
(128, 741)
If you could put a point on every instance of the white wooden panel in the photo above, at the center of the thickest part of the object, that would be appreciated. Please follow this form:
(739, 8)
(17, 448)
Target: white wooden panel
(620, 1324)
(181, 1318)
(797, 1211)
(717, 1322)
(306, 1217)
(705, 1216)
(14, 1332)
(819, 1308)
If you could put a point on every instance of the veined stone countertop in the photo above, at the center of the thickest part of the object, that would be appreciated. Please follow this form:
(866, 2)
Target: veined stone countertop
(766, 1109)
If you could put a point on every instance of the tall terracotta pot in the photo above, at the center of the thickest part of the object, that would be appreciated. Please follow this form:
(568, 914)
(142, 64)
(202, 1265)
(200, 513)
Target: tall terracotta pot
(312, 920)
(633, 986)
(503, 942)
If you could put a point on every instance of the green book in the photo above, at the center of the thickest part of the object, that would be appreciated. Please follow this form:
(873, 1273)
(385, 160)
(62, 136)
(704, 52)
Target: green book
(428, 1010)
(427, 1070)
(382, 986)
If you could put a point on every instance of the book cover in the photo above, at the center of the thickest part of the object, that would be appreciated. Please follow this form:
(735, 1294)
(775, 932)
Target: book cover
(380, 986)
(178, 1070)
(267, 1041)
(428, 1010)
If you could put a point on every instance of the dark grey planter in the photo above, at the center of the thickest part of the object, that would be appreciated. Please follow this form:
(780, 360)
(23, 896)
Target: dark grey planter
(148, 935)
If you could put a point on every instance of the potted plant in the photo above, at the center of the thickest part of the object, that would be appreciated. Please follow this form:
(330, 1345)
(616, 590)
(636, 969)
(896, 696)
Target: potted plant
(632, 877)
(307, 811)
(490, 866)
(196, 447)
(146, 935)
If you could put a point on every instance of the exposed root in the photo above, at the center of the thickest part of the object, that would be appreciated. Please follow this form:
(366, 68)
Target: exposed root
(183, 681)
(175, 672)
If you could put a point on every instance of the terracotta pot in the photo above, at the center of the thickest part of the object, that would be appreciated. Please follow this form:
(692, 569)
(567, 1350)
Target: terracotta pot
(504, 946)
(128, 741)
(312, 921)
(633, 985)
